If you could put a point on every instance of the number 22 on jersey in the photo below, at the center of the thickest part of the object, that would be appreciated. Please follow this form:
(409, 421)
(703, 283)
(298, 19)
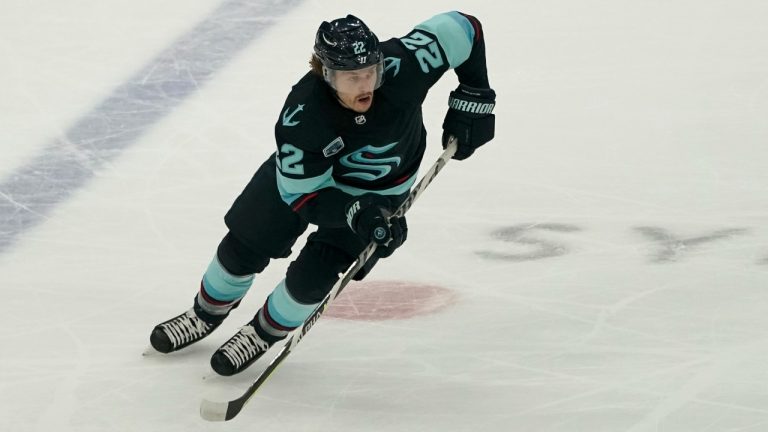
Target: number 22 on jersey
(426, 50)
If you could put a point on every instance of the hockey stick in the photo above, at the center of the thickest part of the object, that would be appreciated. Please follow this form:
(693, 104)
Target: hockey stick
(223, 411)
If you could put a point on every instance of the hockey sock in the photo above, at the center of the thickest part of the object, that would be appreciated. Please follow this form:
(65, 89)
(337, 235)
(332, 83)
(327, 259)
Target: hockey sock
(220, 290)
(281, 313)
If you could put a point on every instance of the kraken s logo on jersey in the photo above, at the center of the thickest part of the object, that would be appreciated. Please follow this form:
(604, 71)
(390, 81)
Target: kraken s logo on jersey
(365, 159)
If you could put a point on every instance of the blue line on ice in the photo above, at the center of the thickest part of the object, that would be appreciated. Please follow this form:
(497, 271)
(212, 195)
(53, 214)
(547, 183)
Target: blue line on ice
(31, 192)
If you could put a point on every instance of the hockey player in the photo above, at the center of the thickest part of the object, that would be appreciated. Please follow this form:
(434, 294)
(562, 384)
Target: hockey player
(350, 139)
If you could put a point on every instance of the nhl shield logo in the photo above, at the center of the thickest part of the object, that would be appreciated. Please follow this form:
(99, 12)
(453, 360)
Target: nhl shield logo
(360, 119)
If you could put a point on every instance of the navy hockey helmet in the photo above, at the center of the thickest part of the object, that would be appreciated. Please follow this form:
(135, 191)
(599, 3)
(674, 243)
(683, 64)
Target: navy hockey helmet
(346, 44)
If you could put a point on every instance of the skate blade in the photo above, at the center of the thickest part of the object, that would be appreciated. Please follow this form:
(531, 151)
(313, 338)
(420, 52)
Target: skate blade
(150, 352)
(211, 376)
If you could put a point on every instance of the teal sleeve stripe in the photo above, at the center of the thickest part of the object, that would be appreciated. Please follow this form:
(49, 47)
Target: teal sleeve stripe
(455, 34)
(397, 190)
(224, 286)
(285, 310)
(291, 189)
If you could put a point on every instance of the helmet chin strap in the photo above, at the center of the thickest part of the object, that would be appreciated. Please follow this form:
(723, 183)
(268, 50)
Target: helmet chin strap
(335, 93)
(327, 77)
(342, 102)
(336, 96)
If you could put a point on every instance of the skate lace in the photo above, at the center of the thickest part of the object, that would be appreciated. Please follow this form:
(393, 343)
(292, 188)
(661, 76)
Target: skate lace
(243, 346)
(186, 328)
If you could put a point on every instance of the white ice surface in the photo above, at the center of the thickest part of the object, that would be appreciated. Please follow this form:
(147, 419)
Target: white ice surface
(608, 249)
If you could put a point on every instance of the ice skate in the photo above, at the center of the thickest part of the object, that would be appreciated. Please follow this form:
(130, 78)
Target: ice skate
(242, 350)
(184, 330)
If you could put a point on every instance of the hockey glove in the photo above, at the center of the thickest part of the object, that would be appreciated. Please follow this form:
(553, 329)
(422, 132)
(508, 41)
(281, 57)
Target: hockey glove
(369, 216)
(470, 119)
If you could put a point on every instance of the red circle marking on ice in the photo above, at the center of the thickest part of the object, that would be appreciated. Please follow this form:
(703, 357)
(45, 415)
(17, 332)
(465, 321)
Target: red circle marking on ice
(389, 300)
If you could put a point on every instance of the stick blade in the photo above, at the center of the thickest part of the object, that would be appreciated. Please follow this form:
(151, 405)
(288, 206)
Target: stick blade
(214, 411)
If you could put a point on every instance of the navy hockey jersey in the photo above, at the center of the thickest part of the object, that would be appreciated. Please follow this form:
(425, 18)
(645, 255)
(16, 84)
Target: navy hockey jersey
(327, 154)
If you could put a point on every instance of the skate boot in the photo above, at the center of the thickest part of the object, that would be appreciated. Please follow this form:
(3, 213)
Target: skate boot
(185, 329)
(242, 349)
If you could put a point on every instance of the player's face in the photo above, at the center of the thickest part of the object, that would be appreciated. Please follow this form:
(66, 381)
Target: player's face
(355, 88)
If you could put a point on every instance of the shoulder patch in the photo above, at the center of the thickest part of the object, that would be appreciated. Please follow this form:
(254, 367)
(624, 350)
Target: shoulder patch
(334, 147)
(288, 117)
(392, 63)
